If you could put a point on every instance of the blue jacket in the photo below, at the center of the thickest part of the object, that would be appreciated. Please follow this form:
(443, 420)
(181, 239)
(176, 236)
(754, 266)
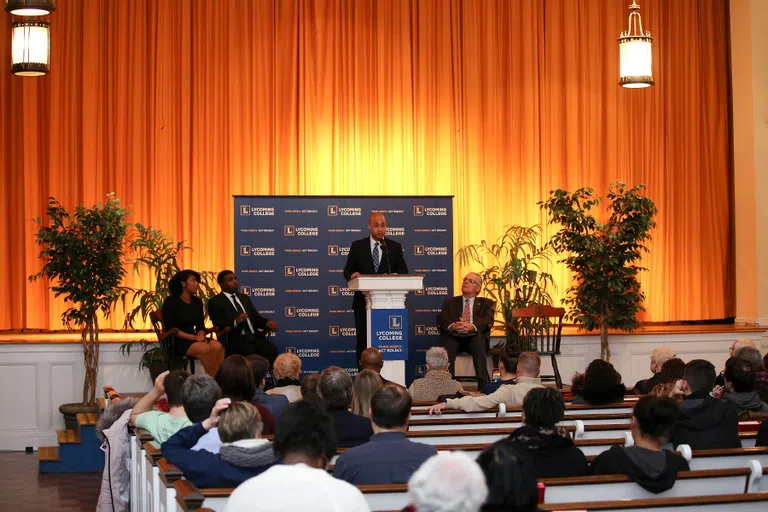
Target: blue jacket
(351, 429)
(388, 458)
(203, 468)
(275, 403)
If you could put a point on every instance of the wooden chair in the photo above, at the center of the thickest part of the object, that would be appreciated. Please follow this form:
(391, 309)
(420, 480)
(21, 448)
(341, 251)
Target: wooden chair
(167, 338)
(539, 329)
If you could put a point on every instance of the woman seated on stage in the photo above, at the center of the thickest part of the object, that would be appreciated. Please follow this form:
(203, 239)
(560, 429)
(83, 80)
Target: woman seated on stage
(183, 310)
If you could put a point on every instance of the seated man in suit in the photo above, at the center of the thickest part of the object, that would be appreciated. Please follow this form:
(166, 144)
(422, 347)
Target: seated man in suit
(235, 310)
(389, 457)
(465, 322)
(373, 254)
(335, 390)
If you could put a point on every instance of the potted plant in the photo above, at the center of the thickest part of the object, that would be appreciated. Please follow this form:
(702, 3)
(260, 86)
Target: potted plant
(512, 275)
(603, 257)
(82, 255)
(158, 254)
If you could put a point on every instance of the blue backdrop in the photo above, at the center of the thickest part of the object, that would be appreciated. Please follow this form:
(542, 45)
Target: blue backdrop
(290, 255)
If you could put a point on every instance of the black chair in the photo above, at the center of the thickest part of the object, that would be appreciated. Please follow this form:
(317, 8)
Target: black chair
(167, 338)
(539, 329)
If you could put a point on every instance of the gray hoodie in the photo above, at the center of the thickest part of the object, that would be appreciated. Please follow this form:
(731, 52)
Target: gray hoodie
(747, 401)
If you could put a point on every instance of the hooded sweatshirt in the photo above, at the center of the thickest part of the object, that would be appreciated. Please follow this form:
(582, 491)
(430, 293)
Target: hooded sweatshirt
(747, 401)
(654, 471)
(552, 450)
(706, 423)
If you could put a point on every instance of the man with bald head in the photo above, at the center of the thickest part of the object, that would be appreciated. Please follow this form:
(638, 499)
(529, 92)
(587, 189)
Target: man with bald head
(371, 359)
(374, 254)
(465, 323)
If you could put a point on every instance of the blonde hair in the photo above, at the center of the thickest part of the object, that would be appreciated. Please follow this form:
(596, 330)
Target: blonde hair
(366, 384)
(287, 366)
(240, 420)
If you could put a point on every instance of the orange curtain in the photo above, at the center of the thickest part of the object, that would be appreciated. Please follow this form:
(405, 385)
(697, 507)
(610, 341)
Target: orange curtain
(178, 105)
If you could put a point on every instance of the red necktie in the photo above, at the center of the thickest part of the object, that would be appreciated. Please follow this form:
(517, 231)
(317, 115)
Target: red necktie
(465, 313)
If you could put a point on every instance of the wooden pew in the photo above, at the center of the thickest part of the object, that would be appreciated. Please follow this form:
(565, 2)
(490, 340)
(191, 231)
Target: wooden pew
(450, 436)
(570, 410)
(138, 479)
(152, 476)
(754, 502)
(725, 458)
(510, 421)
(169, 475)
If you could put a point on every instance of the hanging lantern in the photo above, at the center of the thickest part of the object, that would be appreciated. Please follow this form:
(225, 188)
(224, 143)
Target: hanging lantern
(30, 48)
(30, 7)
(635, 53)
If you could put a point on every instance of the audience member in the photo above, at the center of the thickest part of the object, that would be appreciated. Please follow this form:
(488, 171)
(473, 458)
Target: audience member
(671, 372)
(658, 357)
(388, 457)
(287, 371)
(243, 455)
(199, 394)
(309, 387)
(275, 403)
(305, 442)
(600, 384)
(528, 365)
(704, 422)
(371, 359)
(550, 447)
(507, 366)
(162, 425)
(511, 478)
(762, 434)
(183, 310)
(740, 380)
(752, 355)
(365, 385)
(335, 390)
(236, 380)
(447, 482)
(652, 468)
(735, 346)
(438, 380)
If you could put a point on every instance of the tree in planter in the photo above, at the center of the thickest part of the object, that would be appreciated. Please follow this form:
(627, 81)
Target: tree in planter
(82, 256)
(603, 257)
(512, 273)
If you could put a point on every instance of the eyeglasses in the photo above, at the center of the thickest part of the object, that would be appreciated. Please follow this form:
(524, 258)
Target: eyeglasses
(468, 280)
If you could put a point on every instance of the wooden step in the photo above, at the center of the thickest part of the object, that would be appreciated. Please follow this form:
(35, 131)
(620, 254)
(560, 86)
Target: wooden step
(68, 436)
(85, 419)
(49, 454)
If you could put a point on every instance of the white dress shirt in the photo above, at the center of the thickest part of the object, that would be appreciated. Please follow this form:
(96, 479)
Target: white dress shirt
(235, 301)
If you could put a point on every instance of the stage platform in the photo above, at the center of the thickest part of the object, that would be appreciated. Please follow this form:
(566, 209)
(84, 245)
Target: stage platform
(44, 369)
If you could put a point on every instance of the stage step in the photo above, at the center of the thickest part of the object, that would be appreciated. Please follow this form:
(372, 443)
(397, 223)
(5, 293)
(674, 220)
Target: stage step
(49, 454)
(68, 436)
(87, 419)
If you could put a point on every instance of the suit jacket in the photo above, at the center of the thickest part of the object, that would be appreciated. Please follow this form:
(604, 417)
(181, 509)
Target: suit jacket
(482, 313)
(223, 314)
(360, 260)
(351, 429)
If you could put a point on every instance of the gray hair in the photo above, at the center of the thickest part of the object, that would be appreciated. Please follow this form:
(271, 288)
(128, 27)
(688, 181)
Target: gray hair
(750, 355)
(437, 358)
(199, 394)
(335, 388)
(448, 482)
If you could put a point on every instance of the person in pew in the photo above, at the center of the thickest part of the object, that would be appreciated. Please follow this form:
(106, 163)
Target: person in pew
(755, 360)
(447, 482)
(735, 347)
(671, 372)
(371, 359)
(549, 446)
(162, 425)
(388, 458)
(511, 478)
(652, 468)
(507, 366)
(335, 390)
(309, 388)
(438, 381)
(366, 384)
(762, 434)
(275, 403)
(600, 384)
(658, 357)
(183, 310)
(287, 371)
(704, 422)
(305, 442)
(236, 380)
(740, 381)
(243, 453)
(528, 365)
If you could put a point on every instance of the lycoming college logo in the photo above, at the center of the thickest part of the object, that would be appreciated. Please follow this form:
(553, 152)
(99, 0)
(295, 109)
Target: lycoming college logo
(421, 330)
(333, 330)
(290, 271)
(395, 322)
(289, 230)
(290, 311)
(245, 250)
(245, 290)
(290, 350)
(245, 210)
(333, 210)
(418, 211)
(333, 290)
(421, 370)
(333, 250)
(418, 250)
(420, 291)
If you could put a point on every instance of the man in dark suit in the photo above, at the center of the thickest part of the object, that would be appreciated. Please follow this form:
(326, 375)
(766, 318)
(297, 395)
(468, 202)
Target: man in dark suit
(465, 322)
(235, 310)
(374, 254)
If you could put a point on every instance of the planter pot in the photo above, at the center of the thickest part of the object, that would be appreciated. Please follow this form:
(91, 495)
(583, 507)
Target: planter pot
(70, 412)
(155, 363)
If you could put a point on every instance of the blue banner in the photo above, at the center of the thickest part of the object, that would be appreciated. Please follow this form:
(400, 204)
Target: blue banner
(389, 333)
(290, 255)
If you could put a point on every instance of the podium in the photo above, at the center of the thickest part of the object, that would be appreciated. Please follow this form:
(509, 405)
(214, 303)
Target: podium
(387, 317)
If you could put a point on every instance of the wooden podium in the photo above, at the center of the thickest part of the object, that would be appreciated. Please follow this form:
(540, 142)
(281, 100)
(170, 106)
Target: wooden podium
(385, 294)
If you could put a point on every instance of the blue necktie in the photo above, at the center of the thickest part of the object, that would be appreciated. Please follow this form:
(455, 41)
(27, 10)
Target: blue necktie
(376, 257)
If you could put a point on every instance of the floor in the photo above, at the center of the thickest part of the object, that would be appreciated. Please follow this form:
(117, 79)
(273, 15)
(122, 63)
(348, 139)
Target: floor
(23, 489)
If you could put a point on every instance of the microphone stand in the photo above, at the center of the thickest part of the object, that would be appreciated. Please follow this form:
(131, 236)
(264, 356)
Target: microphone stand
(385, 250)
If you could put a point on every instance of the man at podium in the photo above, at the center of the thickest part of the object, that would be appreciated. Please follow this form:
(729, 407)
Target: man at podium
(374, 254)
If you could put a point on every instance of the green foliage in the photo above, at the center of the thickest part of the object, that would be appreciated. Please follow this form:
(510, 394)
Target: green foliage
(512, 274)
(603, 257)
(82, 255)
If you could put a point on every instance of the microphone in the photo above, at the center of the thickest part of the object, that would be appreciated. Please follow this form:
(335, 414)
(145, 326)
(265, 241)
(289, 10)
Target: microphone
(385, 251)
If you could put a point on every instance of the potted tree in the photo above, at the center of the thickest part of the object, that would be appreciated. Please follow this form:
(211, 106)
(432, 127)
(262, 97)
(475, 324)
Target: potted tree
(82, 255)
(512, 275)
(603, 257)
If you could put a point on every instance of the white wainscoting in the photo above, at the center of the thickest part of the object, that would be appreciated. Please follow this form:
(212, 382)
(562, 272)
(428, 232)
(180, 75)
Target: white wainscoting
(35, 378)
